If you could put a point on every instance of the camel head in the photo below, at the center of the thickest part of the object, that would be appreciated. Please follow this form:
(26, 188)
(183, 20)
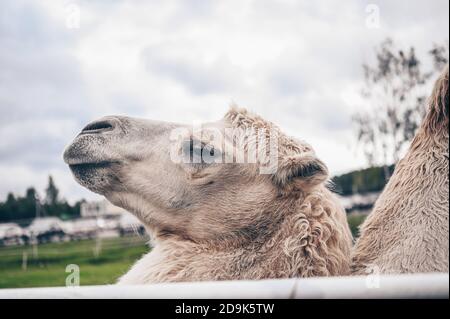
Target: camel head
(196, 182)
(437, 117)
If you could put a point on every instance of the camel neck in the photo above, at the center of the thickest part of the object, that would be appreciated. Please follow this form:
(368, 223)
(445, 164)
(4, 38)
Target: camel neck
(427, 141)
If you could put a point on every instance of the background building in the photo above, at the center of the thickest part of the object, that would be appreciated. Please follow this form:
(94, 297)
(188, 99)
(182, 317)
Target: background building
(100, 209)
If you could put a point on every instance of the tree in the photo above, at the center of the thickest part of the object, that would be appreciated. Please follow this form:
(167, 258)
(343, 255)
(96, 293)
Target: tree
(51, 192)
(8, 207)
(30, 204)
(396, 88)
(20, 208)
(23, 209)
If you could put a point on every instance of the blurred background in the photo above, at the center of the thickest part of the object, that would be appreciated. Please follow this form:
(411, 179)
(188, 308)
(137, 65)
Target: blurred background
(349, 78)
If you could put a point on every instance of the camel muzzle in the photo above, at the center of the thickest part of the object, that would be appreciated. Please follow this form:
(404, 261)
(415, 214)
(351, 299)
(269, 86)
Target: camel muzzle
(93, 155)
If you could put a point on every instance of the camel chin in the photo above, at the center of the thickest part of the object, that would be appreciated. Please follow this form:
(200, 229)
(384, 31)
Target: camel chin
(100, 178)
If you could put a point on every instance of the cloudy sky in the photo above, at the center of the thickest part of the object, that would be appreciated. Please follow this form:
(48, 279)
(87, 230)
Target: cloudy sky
(297, 63)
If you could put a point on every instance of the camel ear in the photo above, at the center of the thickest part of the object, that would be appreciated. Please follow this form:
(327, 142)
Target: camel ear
(300, 171)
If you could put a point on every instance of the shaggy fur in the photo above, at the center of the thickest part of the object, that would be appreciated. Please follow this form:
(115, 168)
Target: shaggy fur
(299, 230)
(301, 237)
(217, 221)
(408, 230)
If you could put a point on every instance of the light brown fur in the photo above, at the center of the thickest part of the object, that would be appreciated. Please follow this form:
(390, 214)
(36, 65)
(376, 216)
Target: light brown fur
(218, 221)
(408, 230)
(301, 237)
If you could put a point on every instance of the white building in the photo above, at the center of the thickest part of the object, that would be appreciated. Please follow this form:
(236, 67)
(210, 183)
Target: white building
(100, 209)
(44, 225)
(11, 233)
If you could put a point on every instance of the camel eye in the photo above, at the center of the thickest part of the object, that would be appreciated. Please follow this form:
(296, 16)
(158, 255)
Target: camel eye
(197, 152)
(208, 150)
(211, 154)
(192, 151)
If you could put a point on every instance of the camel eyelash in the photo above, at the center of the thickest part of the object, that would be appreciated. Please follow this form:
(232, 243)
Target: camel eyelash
(200, 153)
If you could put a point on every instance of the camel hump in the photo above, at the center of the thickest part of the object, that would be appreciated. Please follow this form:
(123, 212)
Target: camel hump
(438, 104)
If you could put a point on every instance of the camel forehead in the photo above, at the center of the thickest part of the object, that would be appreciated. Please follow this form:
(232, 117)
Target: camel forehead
(243, 119)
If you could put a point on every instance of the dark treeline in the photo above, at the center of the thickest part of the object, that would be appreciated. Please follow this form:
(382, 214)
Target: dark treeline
(363, 181)
(29, 206)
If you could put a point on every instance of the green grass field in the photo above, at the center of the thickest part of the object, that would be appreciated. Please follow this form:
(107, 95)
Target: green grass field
(98, 263)
(97, 266)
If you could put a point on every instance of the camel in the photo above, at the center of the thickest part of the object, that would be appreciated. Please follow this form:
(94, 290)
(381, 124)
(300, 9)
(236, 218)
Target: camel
(215, 219)
(408, 229)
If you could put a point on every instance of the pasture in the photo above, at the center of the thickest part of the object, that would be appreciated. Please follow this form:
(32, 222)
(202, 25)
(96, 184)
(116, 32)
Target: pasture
(100, 261)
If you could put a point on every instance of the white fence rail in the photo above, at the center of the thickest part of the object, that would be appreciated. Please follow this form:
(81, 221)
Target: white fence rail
(385, 286)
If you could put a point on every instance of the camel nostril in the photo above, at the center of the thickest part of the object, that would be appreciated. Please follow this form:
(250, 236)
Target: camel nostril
(98, 127)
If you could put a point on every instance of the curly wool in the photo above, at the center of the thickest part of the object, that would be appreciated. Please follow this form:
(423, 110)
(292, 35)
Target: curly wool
(306, 237)
(408, 230)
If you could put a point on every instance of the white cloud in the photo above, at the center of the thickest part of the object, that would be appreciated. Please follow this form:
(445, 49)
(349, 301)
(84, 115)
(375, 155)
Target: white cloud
(297, 63)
